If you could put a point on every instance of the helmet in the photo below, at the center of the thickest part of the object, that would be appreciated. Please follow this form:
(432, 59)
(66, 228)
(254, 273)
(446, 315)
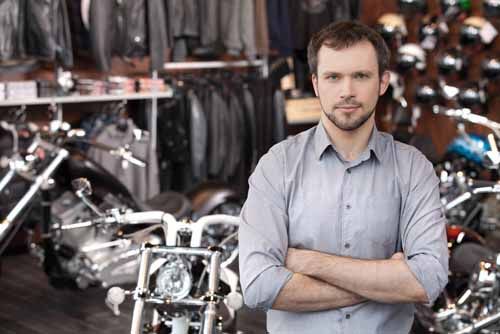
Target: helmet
(411, 56)
(471, 95)
(426, 94)
(491, 8)
(451, 61)
(451, 8)
(472, 148)
(397, 85)
(391, 26)
(409, 7)
(469, 31)
(491, 68)
(429, 35)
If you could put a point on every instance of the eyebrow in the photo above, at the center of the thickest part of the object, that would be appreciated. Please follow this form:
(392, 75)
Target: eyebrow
(366, 72)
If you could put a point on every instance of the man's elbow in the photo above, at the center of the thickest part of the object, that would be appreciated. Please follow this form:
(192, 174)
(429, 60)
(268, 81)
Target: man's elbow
(262, 291)
(420, 296)
(431, 277)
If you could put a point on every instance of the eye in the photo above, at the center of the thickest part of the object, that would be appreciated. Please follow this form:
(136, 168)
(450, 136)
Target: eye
(361, 76)
(333, 77)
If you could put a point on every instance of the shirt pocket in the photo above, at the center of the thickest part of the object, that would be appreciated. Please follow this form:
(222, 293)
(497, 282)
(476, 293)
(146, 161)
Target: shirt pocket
(378, 229)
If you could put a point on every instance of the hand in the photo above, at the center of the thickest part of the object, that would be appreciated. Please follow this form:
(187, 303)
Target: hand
(298, 259)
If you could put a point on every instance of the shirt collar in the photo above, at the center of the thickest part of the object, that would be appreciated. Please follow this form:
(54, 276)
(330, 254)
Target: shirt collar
(322, 142)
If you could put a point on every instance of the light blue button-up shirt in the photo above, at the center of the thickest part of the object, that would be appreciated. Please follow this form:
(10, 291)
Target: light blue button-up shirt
(304, 195)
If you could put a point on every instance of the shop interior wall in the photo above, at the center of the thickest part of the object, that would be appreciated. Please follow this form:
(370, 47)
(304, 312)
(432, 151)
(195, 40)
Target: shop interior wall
(441, 129)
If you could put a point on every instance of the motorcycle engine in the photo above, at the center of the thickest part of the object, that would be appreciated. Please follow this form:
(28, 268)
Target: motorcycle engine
(92, 255)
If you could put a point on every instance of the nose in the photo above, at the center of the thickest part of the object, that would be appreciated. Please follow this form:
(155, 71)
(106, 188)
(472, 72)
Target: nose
(347, 89)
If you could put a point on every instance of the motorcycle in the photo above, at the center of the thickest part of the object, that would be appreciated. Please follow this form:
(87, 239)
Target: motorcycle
(87, 256)
(466, 305)
(467, 212)
(182, 282)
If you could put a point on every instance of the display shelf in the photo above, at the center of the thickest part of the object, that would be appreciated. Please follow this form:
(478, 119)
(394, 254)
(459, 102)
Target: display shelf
(86, 98)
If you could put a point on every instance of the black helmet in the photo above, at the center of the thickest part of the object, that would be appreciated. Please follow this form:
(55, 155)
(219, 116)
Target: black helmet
(491, 68)
(470, 31)
(491, 7)
(392, 27)
(411, 56)
(471, 95)
(451, 61)
(427, 94)
(410, 7)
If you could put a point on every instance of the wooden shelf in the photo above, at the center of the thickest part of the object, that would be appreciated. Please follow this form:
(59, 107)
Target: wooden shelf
(303, 111)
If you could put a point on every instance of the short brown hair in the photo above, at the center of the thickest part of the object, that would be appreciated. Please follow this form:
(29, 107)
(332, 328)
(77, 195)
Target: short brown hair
(344, 34)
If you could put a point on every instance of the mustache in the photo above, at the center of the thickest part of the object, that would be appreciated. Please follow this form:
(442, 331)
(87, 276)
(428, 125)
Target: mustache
(347, 103)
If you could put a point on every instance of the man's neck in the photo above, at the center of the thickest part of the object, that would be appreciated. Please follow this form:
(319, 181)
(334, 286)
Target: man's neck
(349, 144)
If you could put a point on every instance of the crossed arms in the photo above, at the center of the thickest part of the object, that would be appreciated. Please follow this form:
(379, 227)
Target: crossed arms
(275, 275)
(322, 281)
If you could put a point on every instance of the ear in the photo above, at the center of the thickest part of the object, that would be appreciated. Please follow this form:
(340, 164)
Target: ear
(384, 82)
(314, 79)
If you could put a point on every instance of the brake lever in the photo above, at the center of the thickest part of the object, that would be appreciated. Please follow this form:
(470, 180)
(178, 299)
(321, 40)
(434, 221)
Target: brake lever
(127, 156)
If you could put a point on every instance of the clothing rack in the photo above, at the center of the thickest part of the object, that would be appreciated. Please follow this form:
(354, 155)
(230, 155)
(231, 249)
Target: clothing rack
(197, 65)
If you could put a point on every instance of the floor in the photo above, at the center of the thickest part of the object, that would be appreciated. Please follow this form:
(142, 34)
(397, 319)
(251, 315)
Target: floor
(29, 305)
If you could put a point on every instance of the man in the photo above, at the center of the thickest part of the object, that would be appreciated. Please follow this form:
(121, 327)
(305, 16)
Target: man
(342, 230)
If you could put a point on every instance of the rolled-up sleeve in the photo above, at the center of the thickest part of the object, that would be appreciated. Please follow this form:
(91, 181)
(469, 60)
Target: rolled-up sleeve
(424, 229)
(263, 234)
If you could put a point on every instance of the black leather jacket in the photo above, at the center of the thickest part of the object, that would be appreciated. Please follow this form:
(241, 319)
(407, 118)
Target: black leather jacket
(35, 28)
(11, 27)
(119, 27)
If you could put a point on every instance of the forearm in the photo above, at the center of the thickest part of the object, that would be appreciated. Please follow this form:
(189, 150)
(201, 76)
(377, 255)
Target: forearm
(387, 281)
(305, 294)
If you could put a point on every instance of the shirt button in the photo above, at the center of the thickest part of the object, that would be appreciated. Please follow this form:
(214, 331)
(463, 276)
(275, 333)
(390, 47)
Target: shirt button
(348, 206)
(348, 316)
(347, 245)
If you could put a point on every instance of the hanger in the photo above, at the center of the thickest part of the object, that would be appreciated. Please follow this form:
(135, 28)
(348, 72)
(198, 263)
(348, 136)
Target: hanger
(121, 112)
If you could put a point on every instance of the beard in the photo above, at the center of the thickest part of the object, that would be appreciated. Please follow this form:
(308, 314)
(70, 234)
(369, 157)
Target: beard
(347, 121)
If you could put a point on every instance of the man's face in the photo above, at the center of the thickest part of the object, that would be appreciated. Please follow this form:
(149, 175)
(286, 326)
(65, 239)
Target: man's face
(348, 85)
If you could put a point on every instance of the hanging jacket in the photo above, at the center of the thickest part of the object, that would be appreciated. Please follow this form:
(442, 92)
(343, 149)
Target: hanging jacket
(198, 137)
(12, 26)
(217, 134)
(47, 31)
(237, 26)
(310, 16)
(251, 142)
(278, 20)
(120, 28)
(140, 181)
(236, 135)
(35, 28)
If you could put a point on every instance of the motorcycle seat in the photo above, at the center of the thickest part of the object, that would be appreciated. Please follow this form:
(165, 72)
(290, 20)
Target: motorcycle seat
(177, 204)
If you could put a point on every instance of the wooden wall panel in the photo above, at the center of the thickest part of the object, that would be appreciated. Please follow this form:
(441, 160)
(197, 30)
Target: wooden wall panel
(441, 128)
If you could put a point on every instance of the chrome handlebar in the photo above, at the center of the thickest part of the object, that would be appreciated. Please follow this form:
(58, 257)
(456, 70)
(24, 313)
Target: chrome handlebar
(466, 114)
(494, 189)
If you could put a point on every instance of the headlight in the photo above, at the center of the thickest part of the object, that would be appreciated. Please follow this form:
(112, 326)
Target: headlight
(174, 279)
(221, 235)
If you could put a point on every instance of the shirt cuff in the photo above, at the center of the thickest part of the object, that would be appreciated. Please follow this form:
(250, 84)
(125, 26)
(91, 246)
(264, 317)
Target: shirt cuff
(264, 289)
(429, 273)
